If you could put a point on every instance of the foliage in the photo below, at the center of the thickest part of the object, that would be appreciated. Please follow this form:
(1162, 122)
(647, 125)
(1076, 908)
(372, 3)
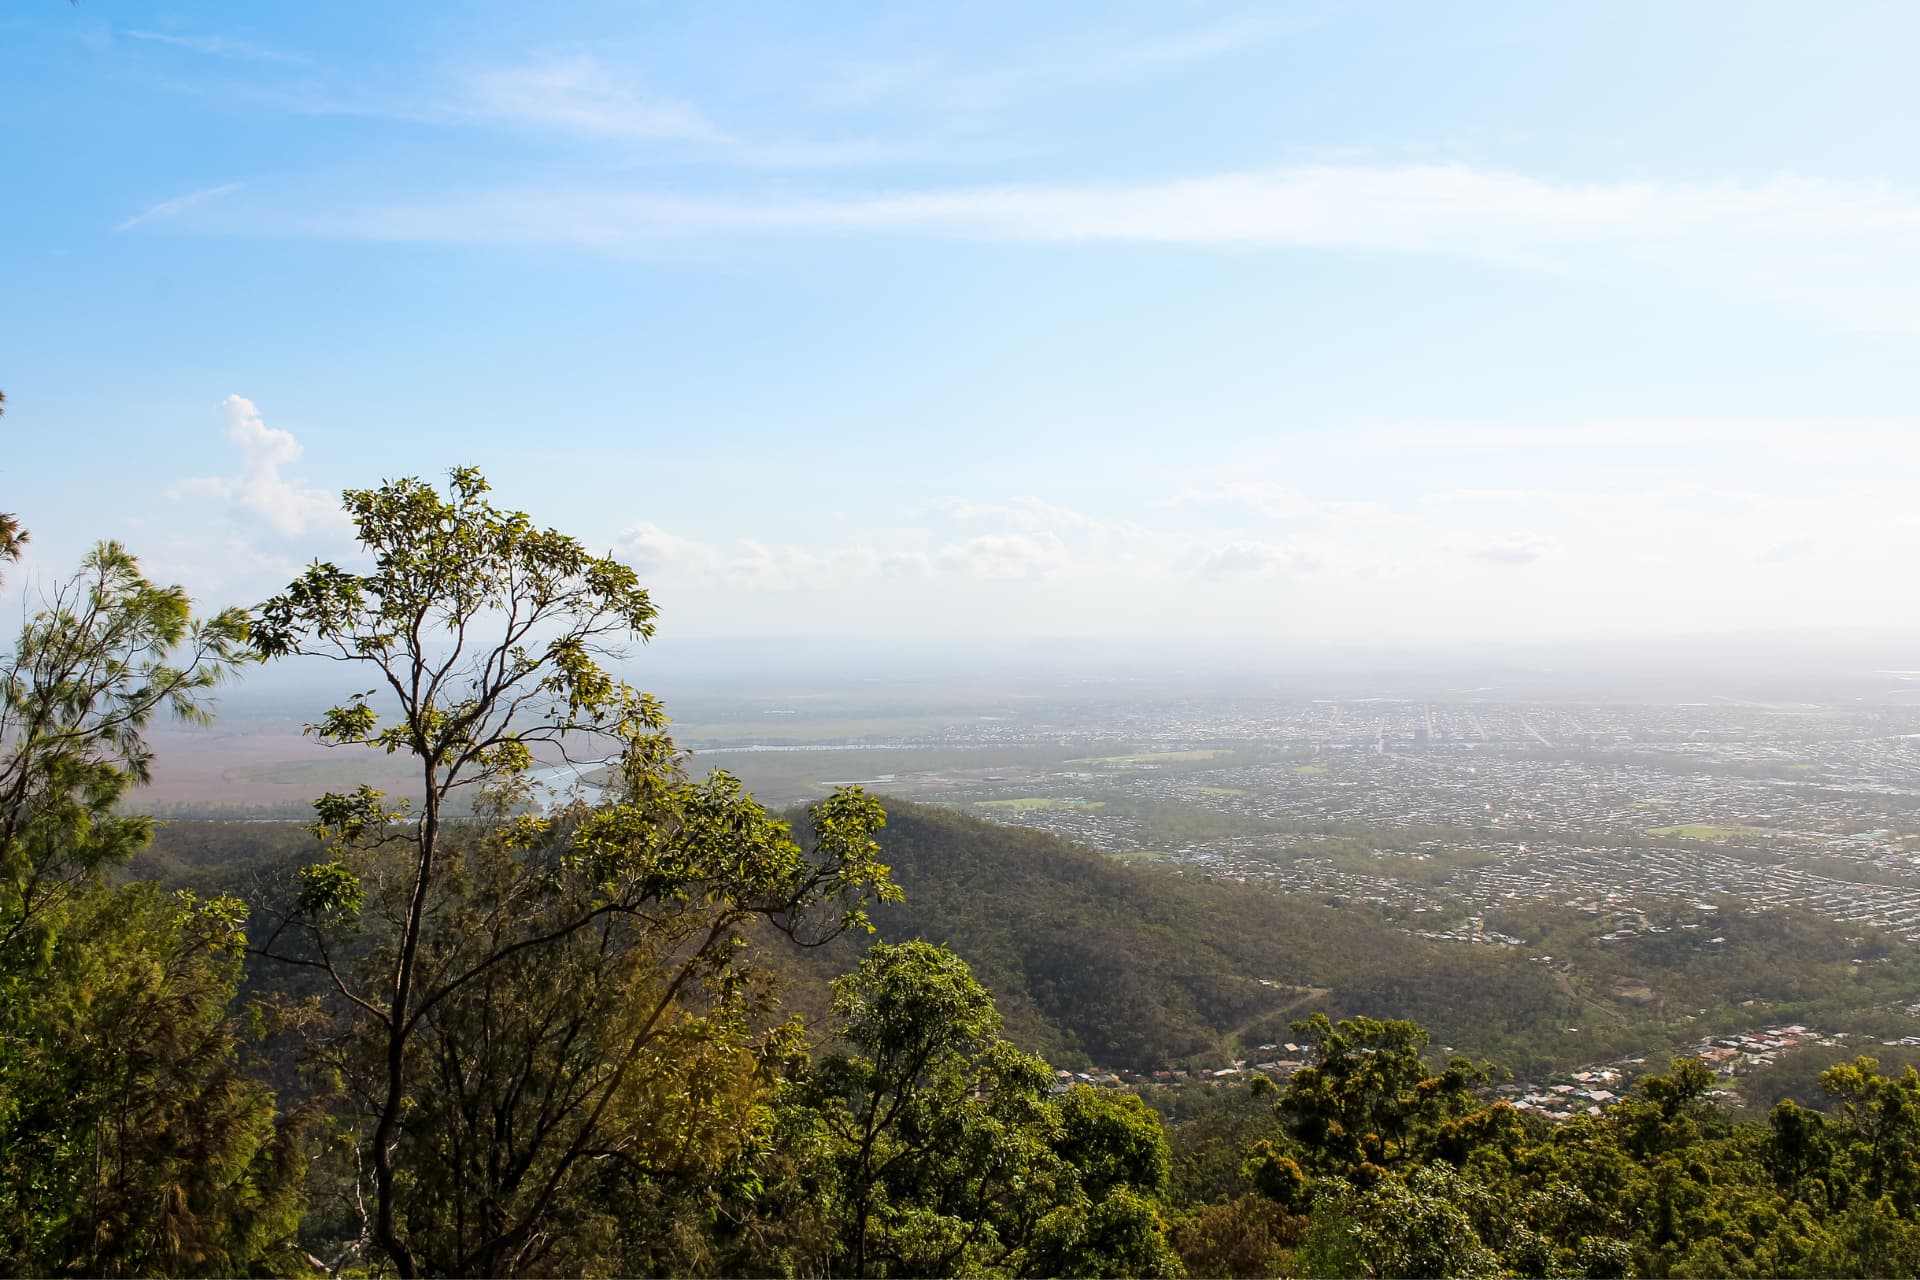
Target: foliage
(131, 1140)
(1246, 1236)
(1211, 1133)
(1368, 1102)
(939, 1149)
(526, 1009)
(977, 1165)
(547, 1035)
(110, 650)
(1662, 1183)
(1095, 961)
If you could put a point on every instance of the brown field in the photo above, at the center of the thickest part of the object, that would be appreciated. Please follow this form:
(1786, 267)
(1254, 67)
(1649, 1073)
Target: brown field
(258, 766)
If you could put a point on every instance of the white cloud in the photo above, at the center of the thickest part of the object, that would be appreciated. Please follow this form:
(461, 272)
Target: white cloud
(1487, 549)
(935, 83)
(1850, 248)
(259, 497)
(179, 204)
(218, 46)
(580, 95)
(1251, 556)
(1037, 539)
(1326, 555)
(774, 567)
(1511, 549)
(651, 550)
(906, 564)
(749, 564)
(1005, 555)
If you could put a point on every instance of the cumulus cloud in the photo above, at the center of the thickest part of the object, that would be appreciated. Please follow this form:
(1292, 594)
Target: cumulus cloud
(783, 568)
(1005, 555)
(258, 496)
(1245, 557)
(750, 564)
(1027, 538)
(906, 564)
(651, 550)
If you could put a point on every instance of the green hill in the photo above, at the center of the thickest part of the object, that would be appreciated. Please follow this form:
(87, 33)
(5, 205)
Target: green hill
(1141, 965)
(1091, 959)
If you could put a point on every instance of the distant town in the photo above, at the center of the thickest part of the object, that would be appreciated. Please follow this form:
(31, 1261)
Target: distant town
(1595, 807)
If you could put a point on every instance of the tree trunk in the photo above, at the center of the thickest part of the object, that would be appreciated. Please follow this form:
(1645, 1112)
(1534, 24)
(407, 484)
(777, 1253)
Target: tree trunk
(398, 1033)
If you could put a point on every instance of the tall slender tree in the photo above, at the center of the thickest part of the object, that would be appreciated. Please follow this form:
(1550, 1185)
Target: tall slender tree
(520, 988)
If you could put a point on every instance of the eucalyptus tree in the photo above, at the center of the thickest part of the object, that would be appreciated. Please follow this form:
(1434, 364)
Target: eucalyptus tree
(1368, 1102)
(941, 1149)
(530, 997)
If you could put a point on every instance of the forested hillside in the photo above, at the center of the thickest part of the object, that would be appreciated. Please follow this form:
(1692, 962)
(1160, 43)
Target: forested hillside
(1095, 960)
(1133, 965)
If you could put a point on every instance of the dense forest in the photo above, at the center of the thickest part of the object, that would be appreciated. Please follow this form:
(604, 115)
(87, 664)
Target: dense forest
(485, 1031)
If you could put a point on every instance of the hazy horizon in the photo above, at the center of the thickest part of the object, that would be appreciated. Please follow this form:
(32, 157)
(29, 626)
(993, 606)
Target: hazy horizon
(695, 674)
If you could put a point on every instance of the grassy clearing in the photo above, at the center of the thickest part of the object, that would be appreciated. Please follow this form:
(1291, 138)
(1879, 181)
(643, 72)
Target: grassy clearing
(1039, 802)
(1218, 791)
(1155, 757)
(1309, 770)
(1707, 831)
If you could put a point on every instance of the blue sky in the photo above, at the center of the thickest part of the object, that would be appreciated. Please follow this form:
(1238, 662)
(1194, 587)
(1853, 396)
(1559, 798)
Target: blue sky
(1318, 322)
